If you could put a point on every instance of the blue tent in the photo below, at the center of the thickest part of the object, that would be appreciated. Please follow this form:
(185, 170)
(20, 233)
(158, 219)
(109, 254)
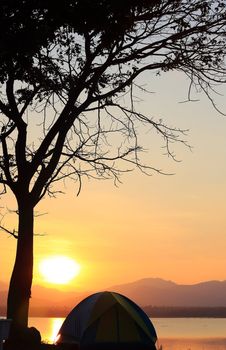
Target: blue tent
(108, 320)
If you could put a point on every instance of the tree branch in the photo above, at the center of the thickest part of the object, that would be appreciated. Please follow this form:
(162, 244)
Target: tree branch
(13, 233)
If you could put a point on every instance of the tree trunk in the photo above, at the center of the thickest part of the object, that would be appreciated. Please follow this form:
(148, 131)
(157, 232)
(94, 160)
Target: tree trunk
(21, 279)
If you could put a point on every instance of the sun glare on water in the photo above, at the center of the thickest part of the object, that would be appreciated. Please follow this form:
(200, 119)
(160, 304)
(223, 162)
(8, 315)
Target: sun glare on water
(59, 269)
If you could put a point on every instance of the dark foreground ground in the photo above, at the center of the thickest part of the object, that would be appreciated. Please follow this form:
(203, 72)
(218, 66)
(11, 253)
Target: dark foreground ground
(42, 346)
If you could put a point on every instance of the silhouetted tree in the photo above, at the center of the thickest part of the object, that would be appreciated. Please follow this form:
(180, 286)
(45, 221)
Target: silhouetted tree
(63, 68)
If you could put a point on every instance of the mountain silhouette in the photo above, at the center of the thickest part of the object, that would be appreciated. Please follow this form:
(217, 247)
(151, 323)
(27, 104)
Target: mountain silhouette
(145, 292)
(159, 292)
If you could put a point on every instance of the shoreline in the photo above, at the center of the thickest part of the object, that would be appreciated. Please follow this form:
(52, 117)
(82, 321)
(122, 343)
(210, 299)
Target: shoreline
(195, 339)
(188, 343)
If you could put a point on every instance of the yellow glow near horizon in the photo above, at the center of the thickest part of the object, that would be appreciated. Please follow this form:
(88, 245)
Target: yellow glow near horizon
(59, 269)
(56, 324)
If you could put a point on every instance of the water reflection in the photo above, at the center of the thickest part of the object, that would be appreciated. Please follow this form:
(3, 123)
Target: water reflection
(173, 334)
(56, 324)
(190, 327)
(48, 327)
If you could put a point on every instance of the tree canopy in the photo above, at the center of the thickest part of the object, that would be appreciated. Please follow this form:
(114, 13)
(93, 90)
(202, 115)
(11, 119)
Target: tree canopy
(68, 72)
(61, 56)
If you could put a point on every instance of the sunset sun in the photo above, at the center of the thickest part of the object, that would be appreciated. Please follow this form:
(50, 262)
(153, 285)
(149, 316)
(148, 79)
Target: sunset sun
(59, 269)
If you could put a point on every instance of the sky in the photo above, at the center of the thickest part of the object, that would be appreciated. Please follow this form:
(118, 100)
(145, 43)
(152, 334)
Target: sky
(172, 227)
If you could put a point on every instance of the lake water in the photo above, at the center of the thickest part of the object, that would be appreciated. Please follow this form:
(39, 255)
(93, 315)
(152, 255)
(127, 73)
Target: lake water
(173, 333)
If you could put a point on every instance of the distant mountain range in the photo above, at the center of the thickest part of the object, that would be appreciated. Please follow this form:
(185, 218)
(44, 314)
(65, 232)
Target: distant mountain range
(159, 292)
(153, 292)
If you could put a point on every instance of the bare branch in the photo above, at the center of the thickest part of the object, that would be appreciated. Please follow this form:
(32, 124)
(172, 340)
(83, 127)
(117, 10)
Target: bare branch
(13, 233)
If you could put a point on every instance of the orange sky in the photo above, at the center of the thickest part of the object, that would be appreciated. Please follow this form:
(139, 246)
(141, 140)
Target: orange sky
(171, 227)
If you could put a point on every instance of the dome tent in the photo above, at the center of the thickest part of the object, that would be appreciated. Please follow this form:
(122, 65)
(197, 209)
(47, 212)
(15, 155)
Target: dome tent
(107, 320)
